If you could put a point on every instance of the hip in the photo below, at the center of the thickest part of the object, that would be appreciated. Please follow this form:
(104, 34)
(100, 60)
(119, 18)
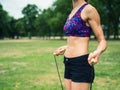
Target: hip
(77, 61)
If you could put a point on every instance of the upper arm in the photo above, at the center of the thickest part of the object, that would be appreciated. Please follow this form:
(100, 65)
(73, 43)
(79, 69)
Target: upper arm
(94, 22)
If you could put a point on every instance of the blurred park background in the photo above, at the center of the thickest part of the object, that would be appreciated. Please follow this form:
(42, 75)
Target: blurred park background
(47, 23)
(27, 44)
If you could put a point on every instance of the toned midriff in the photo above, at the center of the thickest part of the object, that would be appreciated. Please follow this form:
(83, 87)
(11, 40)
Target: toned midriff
(76, 46)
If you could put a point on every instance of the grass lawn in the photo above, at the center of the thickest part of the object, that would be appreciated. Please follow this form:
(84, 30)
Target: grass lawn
(29, 65)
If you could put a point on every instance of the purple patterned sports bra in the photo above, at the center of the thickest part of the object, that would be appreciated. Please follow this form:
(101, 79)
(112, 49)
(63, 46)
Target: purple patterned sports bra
(76, 26)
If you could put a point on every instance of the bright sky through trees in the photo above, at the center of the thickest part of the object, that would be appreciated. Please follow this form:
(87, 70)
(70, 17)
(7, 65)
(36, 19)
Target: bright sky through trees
(14, 7)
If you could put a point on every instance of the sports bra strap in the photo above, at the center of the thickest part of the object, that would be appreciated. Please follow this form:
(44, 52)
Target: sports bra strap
(82, 7)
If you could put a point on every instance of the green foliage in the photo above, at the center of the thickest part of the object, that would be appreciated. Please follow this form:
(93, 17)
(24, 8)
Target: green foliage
(4, 23)
(56, 24)
(20, 27)
(110, 14)
(63, 6)
(49, 22)
(42, 21)
(30, 13)
(61, 10)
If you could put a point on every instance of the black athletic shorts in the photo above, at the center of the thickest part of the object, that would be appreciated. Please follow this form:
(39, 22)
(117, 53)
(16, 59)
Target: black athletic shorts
(78, 69)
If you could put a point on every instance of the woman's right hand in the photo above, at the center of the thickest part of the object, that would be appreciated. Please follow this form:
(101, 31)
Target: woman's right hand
(60, 51)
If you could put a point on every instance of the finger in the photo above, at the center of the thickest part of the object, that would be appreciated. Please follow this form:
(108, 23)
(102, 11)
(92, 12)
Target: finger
(61, 50)
(55, 53)
(90, 57)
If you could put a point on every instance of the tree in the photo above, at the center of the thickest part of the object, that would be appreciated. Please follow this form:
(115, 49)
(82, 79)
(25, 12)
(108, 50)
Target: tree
(20, 28)
(4, 23)
(61, 9)
(12, 30)
(41, 23)
(56, 24)
(110, 15)
(30, 13)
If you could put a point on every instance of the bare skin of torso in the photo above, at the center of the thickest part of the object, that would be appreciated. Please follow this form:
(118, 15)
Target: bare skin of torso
(76, 46)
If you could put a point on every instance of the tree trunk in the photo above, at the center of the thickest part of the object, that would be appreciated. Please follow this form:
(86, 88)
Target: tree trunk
(29, 35)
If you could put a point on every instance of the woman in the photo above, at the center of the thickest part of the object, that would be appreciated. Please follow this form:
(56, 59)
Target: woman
(83, 19)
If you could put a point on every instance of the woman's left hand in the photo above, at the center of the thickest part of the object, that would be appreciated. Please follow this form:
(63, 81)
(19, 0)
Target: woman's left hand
(95, 55)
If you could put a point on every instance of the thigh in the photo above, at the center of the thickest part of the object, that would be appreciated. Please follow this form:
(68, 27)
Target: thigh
(80, 86)
(68, 84)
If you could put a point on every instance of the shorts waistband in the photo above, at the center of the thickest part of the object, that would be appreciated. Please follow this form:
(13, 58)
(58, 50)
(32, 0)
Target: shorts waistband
(77, 57)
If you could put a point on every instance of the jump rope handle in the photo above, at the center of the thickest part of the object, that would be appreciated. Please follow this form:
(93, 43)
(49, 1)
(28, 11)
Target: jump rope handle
(92, 61)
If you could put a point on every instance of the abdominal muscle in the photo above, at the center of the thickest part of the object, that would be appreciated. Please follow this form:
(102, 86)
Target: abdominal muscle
(76, 46)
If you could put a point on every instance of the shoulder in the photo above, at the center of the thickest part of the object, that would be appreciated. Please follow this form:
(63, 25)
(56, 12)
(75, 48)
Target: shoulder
(89, 8)
(91, 11)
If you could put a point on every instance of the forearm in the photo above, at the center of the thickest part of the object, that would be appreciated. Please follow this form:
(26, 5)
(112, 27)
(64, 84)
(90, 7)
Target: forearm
(101, 48)
(102, 45)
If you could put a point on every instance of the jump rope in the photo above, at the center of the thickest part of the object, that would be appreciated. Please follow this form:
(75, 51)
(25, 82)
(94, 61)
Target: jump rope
(58, 73)
(92, 61)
